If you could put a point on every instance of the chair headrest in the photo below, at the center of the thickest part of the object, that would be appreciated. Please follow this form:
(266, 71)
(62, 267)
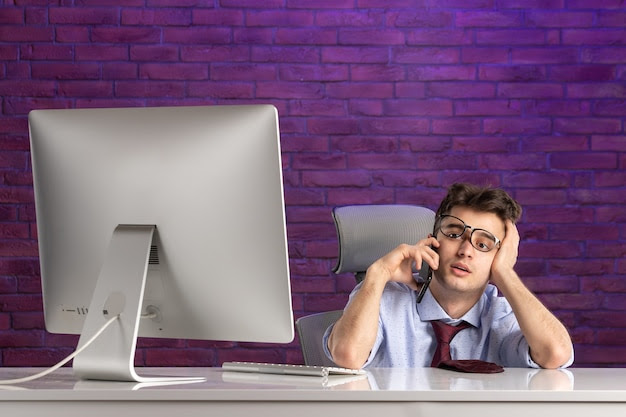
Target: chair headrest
(367, 232)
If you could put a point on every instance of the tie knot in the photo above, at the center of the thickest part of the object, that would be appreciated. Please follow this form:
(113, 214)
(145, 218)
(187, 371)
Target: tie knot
(444, 334)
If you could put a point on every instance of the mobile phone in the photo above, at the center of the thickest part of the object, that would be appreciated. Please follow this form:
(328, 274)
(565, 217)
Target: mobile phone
(426, 283)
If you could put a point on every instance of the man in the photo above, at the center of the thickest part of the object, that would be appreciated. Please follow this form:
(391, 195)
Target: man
(474, 241)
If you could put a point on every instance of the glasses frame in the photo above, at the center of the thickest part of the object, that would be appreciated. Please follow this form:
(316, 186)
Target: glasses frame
(465, 228)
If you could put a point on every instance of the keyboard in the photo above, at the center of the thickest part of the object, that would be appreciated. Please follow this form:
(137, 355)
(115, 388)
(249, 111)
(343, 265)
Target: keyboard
(285, 369)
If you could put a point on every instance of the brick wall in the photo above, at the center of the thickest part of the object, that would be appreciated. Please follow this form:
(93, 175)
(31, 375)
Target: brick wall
(381, 101)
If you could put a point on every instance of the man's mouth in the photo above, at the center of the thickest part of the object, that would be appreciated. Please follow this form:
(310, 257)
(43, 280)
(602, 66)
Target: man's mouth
(461, 267)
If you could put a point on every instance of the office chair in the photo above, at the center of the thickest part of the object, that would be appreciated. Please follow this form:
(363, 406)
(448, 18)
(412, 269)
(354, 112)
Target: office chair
(365, 233)
(311, 329)
(368, 232)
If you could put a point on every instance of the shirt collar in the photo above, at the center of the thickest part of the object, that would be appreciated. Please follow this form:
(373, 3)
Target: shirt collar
(429, 310)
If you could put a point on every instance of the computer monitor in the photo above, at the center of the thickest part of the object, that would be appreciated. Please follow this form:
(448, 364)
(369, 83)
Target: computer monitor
(174, 213)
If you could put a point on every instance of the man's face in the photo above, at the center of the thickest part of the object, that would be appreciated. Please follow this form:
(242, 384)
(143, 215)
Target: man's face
(462, 267)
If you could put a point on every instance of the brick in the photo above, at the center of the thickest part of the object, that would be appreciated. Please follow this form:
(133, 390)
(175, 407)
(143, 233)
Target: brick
(460, 90)
(570, 160)
(487, 107)
(484, 55)
(348, 54)
(530, 90)
(213, 53)
(441, 37)
(426, 55)
(483, 144)
(456, 126)
(555, 143)
(610, 108)
(544, 56)
(512, 161)
(294, 54)
(559, 18)
(420, 19)
(149, 89)
(523, 126)
(531, 4)
(162, 53)
(314, 72)
(610, 179)
(217, 17)
(178, 71)
(314, 285)
(588, 125)
(582, 73)
(15, 33)
(594, 36)
(487, 19)
(377, 144)
(439, 73)
(47, 52)
(266, 4)
(65, 71)
(333, 126)
(44, 357)
(252, 36)
(599, 355)
(534, 180)
(349, 18)
(608, 143)
(559, 215)
(351, 91)
(297, 36)
(152, 17)
(317, 108)
(126, 35)
(604, 90)
(283, 18)
(604, 55)
(444, 162)
(560, 108)
(318, 161)
(371, 37)
(376, 73)
(335, 179)
(409, 107)
(411, 90)
(82, 16)
(611, 18)
(511, 37)
(541, 197)
(517, 73)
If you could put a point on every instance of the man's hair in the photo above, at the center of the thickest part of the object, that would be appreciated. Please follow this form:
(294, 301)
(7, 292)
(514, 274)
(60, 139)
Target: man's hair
(485, 199)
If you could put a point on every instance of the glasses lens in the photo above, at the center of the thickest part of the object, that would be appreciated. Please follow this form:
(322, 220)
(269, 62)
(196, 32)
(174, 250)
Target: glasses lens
(483, 240)
(452, 227)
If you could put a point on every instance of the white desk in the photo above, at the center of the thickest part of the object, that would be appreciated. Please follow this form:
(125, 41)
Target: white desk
(383, 393)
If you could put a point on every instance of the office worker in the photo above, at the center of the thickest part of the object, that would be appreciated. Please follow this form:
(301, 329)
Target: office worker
(472, 253)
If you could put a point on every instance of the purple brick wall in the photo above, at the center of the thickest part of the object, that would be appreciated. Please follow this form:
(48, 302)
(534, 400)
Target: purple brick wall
(381, 101)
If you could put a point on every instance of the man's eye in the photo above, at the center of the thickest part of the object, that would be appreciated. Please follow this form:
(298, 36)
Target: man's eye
(454, 231)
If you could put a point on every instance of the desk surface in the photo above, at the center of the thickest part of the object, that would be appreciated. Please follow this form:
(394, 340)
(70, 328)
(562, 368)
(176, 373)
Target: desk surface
(422, 390)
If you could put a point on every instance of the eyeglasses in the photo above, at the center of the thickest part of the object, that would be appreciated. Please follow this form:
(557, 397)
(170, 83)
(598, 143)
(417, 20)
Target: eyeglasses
(455, 228)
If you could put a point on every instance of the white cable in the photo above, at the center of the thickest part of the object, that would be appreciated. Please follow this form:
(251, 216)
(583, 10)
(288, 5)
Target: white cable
(63, 362)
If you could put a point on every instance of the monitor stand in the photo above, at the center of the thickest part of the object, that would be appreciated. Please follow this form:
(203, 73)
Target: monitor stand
(119, 291)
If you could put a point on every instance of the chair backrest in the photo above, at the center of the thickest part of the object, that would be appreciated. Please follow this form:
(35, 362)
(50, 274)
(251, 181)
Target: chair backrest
(367, 232)
(311, 329)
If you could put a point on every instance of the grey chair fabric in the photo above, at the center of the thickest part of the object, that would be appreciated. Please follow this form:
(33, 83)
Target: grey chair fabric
(311, 329)
(367, 232)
